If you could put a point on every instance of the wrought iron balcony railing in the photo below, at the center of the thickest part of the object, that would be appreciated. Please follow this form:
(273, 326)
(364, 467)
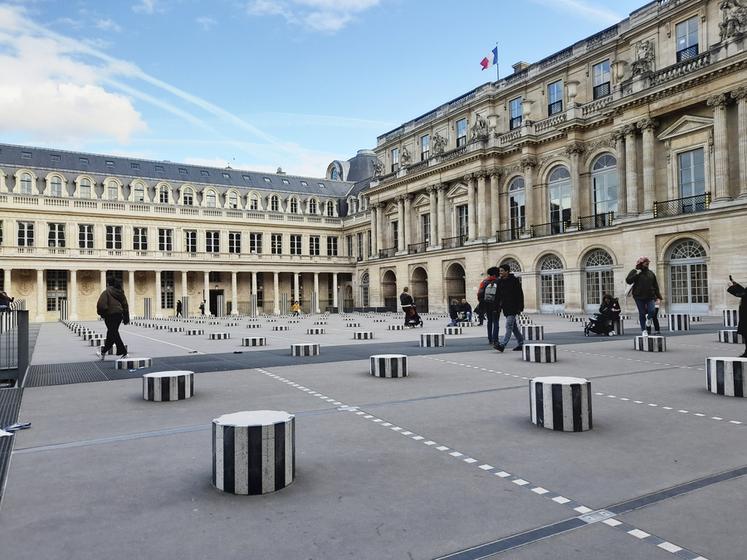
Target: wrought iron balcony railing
(685, 205)
(388, 252)
(414, 248)
(509, 234)
(453, 242)
(596, 221)
(551, 228)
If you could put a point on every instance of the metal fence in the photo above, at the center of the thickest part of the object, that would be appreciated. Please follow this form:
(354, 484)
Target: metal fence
(685, 205)
(14, 341)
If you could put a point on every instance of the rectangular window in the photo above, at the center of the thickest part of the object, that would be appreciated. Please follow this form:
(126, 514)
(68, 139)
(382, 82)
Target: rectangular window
(463, 220)
(165, 239)
(85, 236)
(25, 234)
(114, 237)
(212, 241)
(314, 245)
(349, 245)
(555, 98)
(692, 180)
(187, 198)
(600, 74)
(163, 195)
(138, 194)
(214, 277)
(425, 228)
(56, 236)
(395, 235)
(234, 242)
(253, 203)
(368, 246)
(255, 243)
(425, 147)
(514, 113)
(331, 246)
(359, 244)
(395, 160)
(190, 241)
(85, 188)
(112, 191)
(56, 288)
(295, 244)
(461, 132)
(687, 39)
(167, 289)
(276, 243)
(1, 232)
(140, 239)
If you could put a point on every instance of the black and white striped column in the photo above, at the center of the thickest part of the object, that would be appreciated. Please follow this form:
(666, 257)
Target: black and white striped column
(560, 403)
(253, 325)
(452, 330)
(132, 363)
(540, 352)
(679, 322)
(194, 332)
(280, 328)
(389, 365)
(432, 340)
(353, 325)
(618, 326)
(727, 376)
(253, 341)
(98, 341)
(220, 336)
(533, 332)
(315, 330)
(363, 335)
(320, 322)
(731, 317)
(650, 343)
(176, 329)
(465, 324)
(254, 452)
(168, 385)
(732, 337)
(305, 349)
(396, 327)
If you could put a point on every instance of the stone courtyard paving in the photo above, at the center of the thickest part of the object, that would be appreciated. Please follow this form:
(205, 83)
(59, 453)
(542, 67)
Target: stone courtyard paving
(444, 463)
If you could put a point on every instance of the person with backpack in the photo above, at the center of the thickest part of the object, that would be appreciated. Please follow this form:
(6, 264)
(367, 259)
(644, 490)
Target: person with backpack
(113, 309)
(512, 303)
(489, 303)
(645, 290)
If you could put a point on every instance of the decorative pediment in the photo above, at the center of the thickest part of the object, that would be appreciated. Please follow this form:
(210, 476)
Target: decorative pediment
(390, 209)
(685, 125)
(421, 200)
(457, 191)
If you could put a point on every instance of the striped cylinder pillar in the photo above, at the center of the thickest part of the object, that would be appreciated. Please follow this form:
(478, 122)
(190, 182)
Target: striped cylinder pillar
(253, 341)
(132, 363)
(305, 349)
(195, 332)
(160, 327)
(219, 336)
(727, 376)
(540, 352)
(618, 326)
(465, 324)
(315, 330)
(98, 341)
(679, 322)
(320, 322)
(168, 385)
(432, 340)
(695, 319)
(389, 365)
(147, 308)
(731, 317)
(90, 335)
(353, 325)
(732, 337)
(363, 335)
(560, 403)
(650, 343)
(253, 325)
(254, 452)
(176, 329)
(396, 327)
(452, 330)
(280, 328)
(533, 332)
(101, 348)
(576, 319)
(231, 324)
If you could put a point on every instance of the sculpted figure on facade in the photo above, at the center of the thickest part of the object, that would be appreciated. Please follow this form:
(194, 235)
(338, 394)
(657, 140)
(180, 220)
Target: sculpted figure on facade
(439, 144)
(733, 19)
(405, 158)
(378, 167)
(644, 62)
(480, 129)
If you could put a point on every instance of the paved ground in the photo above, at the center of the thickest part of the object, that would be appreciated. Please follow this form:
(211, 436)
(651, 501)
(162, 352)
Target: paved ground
(441, 464)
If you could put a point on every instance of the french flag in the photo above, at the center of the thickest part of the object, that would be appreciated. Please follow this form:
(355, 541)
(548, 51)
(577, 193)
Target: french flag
(486, 62)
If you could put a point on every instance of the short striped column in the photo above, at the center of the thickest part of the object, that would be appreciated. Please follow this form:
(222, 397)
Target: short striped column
(389, 365)
(396, 327)
(727, 376)
(194, 332)
(533, 332)
(540, 352)
(132, 363)
(276, 328)
(168, 385)
(453, 330)
(679, 322)
(253, 326)
(176, 329)
(353, 325)
(254, 341)
(220, 336)
(695, 319)
(97, 341)
(650, 343)
(560, 403)
(111, 350)
(254, 452)
(576, 319)
(315, 330)
(432, 340)
(732, 337)
(320, 322)
(305, 349)
(160, 327)
(231, 324)
(465, 324)
(618, 326)
(363, 335)
(731, 317)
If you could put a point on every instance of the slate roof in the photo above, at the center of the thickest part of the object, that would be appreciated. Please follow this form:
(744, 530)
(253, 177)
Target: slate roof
(175, 173)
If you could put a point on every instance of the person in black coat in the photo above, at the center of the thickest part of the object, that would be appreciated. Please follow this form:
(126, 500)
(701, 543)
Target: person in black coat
(512, 303)
(406, 301)
(739, 291)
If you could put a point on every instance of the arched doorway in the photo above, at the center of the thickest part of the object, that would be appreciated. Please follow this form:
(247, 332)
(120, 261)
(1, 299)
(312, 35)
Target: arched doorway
(455, 283)
(688, 277)
(599, 278)
(419, 288)
(552, 286)
(389, 290)
(365, 301)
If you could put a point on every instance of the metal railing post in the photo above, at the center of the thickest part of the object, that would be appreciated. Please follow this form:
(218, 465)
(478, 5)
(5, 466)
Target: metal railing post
(23, 344)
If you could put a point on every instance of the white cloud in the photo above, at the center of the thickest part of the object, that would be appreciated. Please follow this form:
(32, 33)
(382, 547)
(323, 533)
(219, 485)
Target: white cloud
(107, 24)
(582, 9)
(145, 7)
(326, 16)
(207, 23)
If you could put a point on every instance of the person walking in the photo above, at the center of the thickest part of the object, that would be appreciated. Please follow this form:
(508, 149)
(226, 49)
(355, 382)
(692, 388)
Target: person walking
(112, 307)
(202, 307)
(5, 301)
(645, 291)
(511, 297)
(738, 290)
(178, 308)
(406, 301)
(489, 303)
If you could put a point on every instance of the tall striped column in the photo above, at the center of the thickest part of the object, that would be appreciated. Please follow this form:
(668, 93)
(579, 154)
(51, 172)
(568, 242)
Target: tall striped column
(560, 403)
(254, 452)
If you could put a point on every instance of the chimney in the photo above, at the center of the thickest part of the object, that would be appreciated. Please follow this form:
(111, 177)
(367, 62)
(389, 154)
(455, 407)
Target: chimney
(280, 171)
(519, 66)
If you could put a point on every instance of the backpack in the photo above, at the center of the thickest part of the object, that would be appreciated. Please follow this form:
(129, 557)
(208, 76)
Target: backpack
(491, 293)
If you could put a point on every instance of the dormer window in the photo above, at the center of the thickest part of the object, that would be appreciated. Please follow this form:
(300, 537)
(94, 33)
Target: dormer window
(112, 190)
(210, 199)
(274, 203)
(330, 208)
(233, 200)
(55, 186)
(253, 202)
(304, 184)
(26, 187)
(188, 198)
(84, 190)
(286, 182)
(293, 206)
(138, 194)
(267, 180)
(312, 206)
(163, 195)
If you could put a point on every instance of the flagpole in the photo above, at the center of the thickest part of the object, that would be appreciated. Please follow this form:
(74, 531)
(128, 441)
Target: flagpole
(497, 71)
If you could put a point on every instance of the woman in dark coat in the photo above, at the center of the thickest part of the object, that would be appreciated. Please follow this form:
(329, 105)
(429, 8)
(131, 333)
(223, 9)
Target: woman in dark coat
(739, 291)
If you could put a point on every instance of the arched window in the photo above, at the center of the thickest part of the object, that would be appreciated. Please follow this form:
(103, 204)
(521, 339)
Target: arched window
(253, 202)
(688, 277)
(210, 199)
(600, 279)
(55, 186)
(138, 193)
(513, 265)
(112, 190)
(233, 200)
(604, 183)
(364, 289)
(552, 287)
(293, 206)
(313, 207)
(559, 190)
(84, 188)
(516, 207)
(274, 204)
(188, 197)
(330, 208)
(163, 195)
(26, 187)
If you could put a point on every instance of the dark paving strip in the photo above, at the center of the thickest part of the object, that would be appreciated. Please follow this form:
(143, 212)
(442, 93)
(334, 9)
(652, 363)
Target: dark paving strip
(10, 404)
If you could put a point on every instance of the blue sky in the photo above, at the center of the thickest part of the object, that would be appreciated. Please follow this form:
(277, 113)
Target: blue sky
(258, 83)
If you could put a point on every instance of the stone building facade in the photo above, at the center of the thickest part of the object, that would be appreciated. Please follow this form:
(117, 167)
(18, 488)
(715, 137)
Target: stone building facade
(629, 142)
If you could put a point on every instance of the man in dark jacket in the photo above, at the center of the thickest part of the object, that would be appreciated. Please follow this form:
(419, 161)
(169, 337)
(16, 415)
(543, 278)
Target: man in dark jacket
(490, 305)
(645, 292)
(406, 301)
(179, 308)
(512, 303)
(112, 307)
(738, 291)
(5, 301)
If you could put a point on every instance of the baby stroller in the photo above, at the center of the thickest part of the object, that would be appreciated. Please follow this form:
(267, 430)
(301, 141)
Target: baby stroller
(412, 319)
(598, 324)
